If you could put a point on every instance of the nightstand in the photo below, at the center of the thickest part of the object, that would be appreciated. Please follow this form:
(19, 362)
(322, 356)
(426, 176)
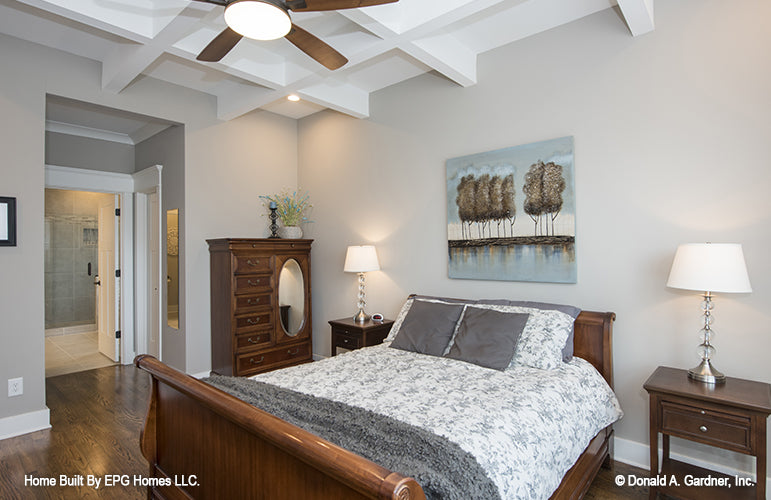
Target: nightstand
(730, 416)
(348, 334)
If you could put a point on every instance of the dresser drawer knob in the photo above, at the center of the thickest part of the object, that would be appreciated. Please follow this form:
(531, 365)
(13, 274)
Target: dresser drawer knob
(293, 352)
(345, 341)
(252, 361)
(703, 412)
(251, 341)
(253, 264)
(703, 428)
(253, 283)
(252, 301)
(253, 321)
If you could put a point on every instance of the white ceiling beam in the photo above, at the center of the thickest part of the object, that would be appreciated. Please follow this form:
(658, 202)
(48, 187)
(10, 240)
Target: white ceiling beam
(344, 98)
(638, 15)
(446, 55)
(235, 103)
(127, 62)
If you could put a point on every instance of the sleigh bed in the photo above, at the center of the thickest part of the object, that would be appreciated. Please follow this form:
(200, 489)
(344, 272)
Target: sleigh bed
(202, 442)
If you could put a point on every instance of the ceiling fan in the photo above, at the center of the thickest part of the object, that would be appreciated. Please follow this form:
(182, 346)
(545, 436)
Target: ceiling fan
(269, 19)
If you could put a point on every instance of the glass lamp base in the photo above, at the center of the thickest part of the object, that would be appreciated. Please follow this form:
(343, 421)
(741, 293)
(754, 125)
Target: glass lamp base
(706, 373)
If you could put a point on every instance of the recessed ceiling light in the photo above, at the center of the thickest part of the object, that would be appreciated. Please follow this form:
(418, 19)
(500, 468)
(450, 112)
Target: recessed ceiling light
(258, 19)
(293, 97)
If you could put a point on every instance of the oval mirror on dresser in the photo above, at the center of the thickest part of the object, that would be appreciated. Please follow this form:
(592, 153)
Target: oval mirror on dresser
(291, 297)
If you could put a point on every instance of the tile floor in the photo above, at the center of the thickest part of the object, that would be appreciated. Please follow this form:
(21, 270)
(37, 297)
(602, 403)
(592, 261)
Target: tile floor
(76, 352)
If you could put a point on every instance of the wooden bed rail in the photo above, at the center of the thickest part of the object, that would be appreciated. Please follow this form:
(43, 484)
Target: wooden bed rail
(234, 450)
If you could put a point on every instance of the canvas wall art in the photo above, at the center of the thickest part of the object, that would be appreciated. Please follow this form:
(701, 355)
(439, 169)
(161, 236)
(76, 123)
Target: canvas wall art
(511, 214)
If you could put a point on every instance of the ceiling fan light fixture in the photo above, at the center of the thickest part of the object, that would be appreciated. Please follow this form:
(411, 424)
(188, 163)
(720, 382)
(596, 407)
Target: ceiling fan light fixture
(258, 19)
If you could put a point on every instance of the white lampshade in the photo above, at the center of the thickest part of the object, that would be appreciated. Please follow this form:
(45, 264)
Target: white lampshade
(361, 259)
(258, 19)
(710, 267)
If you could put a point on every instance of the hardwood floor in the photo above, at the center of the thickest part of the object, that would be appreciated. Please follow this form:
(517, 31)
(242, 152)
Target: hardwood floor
(96, 417)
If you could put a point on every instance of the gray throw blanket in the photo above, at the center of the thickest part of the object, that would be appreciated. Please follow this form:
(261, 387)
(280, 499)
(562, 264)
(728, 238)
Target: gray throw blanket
(443, 469)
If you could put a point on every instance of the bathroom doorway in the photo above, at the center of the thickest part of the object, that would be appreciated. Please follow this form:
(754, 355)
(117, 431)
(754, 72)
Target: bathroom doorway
(82, 299)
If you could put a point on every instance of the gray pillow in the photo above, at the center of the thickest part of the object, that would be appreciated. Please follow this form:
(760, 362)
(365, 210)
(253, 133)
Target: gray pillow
(488, 338)
(427, 327)
(567, 349)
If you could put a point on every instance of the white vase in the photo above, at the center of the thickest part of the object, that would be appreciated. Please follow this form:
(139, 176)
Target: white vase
(290, 232)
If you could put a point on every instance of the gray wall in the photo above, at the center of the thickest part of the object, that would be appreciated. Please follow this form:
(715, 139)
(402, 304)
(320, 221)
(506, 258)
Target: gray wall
(671, 146)
(66, 150)
(168, 149)
(226, 167)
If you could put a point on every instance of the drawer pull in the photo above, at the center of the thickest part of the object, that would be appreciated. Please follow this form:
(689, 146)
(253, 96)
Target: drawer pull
(253, 283)
(703, 412)
(253, 264)
(252, 321)
(254, 341)
(703, 428)
(252, 301)
(252, 361)
(345, 341)
(294, 352)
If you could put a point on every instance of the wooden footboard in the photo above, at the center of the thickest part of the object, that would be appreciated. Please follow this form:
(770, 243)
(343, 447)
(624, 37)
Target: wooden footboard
(203, 443)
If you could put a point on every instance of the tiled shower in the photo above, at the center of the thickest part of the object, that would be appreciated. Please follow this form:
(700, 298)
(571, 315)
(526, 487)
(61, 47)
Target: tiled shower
(71, 251)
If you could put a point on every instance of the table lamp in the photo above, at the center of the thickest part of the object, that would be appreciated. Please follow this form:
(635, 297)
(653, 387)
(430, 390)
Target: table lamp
(709, 267)
(361, 259)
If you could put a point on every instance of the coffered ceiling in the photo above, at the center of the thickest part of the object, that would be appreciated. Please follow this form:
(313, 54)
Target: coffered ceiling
(384, 44)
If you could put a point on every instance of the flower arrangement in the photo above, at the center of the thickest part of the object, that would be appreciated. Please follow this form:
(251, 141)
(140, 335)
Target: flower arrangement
(291, 209)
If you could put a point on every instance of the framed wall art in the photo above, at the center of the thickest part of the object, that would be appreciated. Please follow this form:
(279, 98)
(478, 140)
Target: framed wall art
(7, 221)
(511, 214)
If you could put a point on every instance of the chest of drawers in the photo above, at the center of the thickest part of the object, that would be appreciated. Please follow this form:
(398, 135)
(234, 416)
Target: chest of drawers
(260, 304)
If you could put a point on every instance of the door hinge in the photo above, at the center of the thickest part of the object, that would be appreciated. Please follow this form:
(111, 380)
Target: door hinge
(117, 334)
(117, 273)
(117, 212)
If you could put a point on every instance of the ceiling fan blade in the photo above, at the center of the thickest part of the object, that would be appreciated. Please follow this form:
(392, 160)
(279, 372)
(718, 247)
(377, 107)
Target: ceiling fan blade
(316, 48)
(215, 2)
(220, 46)
(318, 5)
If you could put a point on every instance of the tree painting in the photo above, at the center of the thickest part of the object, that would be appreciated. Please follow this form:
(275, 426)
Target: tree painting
(486, 191)
(543, 189)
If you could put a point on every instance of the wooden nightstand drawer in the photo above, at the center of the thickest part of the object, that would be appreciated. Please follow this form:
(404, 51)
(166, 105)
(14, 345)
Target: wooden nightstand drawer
(349, 334)
(341, 339)
(707, 426)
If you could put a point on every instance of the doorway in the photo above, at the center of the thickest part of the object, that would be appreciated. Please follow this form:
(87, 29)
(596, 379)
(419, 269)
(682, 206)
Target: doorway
(81, 306)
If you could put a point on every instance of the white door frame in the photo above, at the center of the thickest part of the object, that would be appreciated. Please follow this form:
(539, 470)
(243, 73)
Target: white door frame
(78, 179)
(147, 182)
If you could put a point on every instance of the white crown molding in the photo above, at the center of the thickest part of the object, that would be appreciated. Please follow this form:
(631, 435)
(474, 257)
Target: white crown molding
(91, 133)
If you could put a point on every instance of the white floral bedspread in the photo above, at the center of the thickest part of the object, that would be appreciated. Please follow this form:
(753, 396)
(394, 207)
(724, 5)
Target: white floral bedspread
(525, 426)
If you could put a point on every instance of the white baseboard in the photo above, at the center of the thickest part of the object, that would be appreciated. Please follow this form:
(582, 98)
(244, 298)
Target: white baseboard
(637, 455)
(25, 423)
(200, 374)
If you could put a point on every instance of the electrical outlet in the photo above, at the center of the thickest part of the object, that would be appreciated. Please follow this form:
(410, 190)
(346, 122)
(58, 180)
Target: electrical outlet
(15, 386)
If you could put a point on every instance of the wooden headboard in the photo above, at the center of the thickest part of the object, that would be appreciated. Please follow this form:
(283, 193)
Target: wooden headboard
(593, 341)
